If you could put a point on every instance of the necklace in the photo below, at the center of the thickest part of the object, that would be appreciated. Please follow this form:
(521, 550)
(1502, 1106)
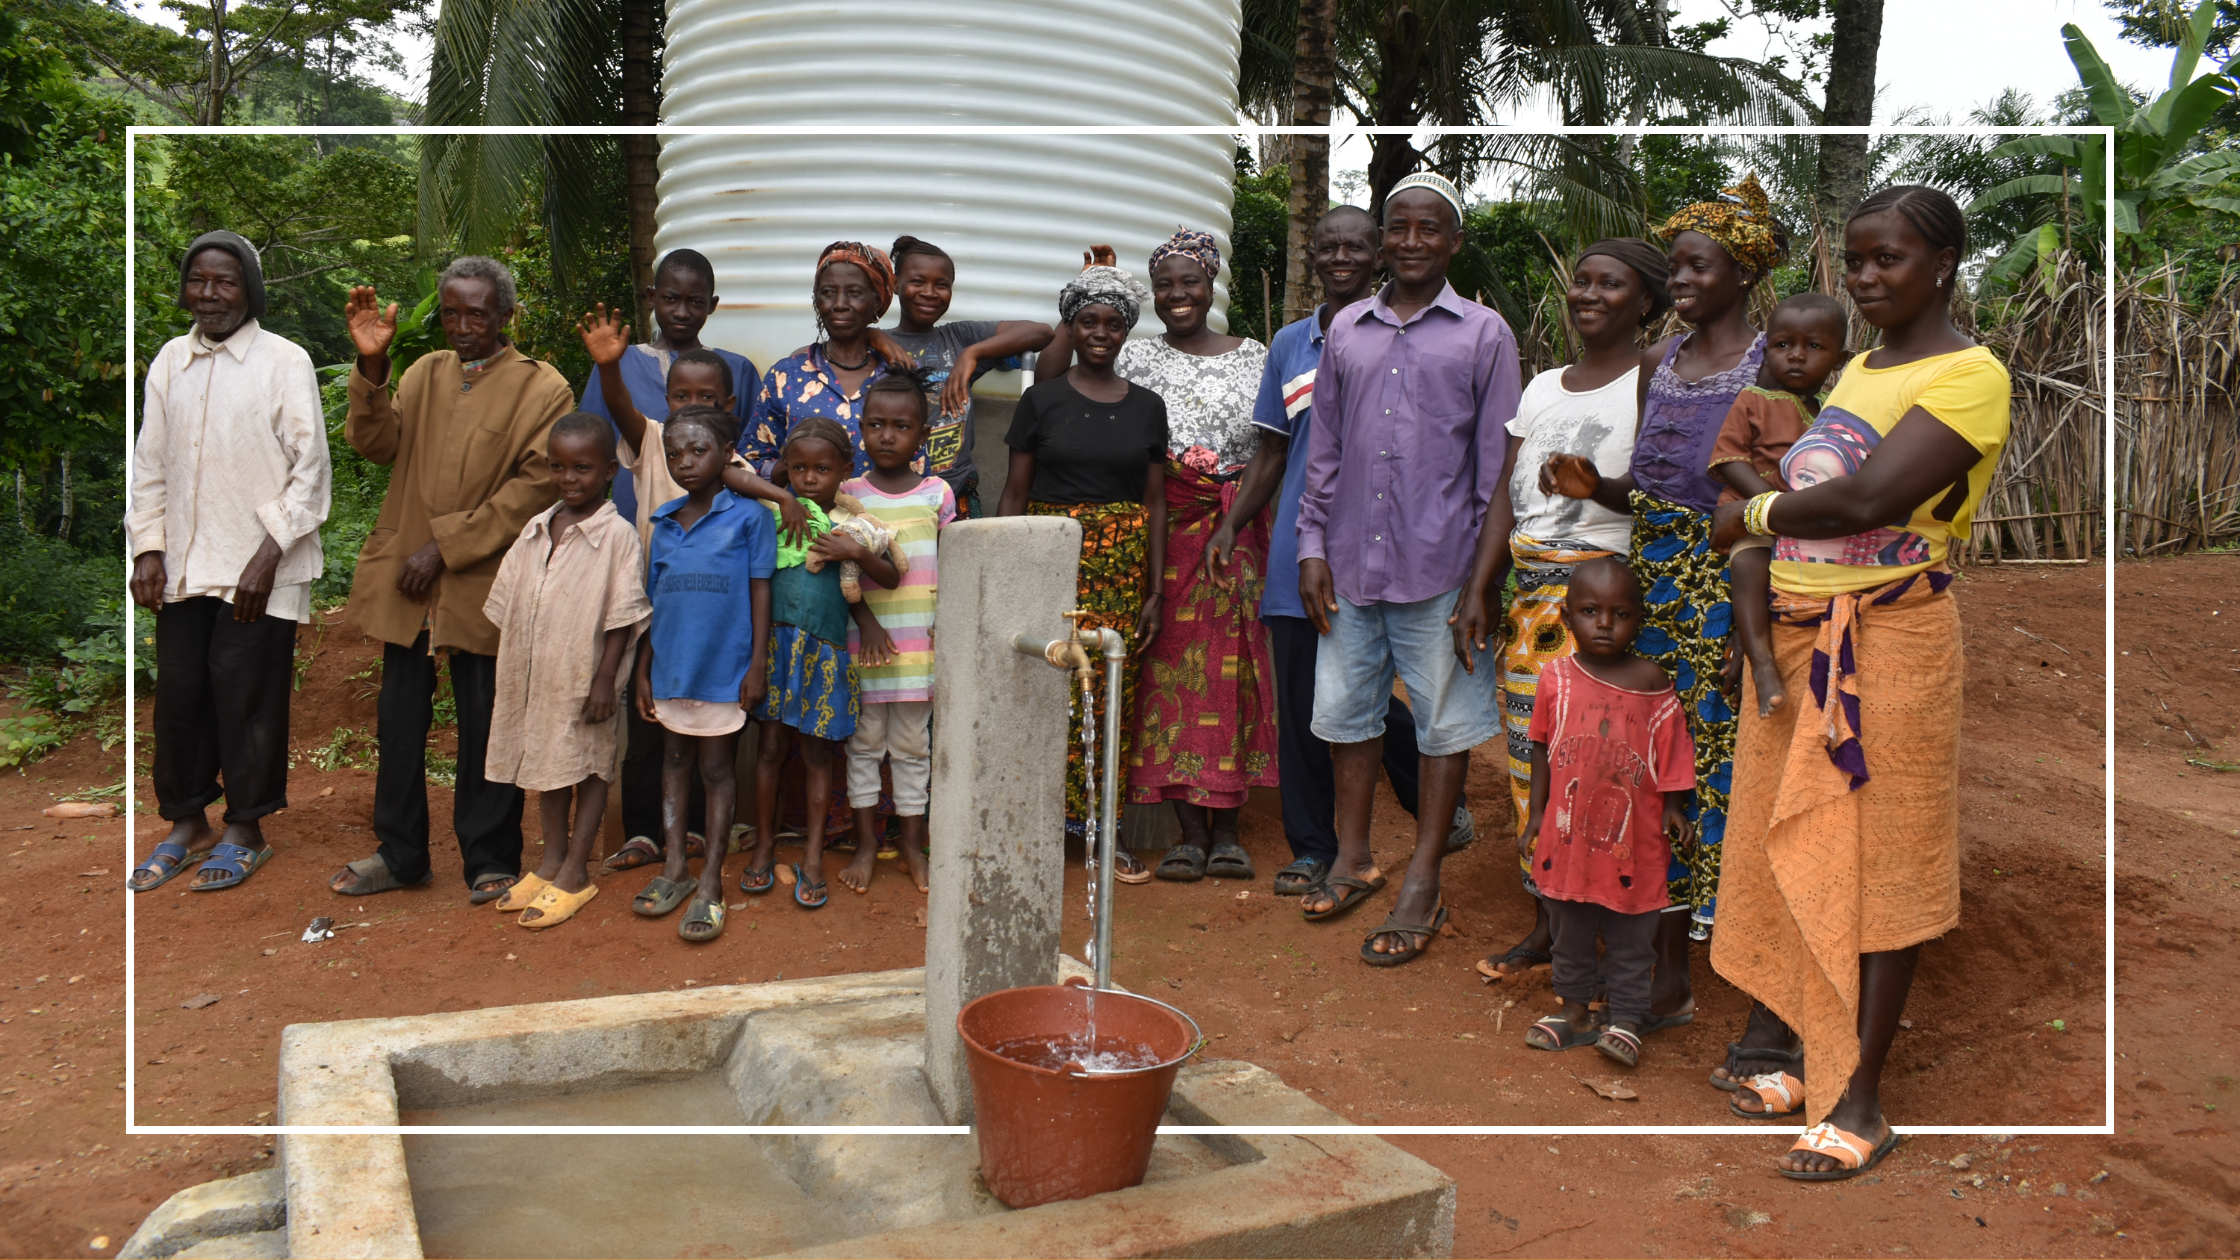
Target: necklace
(856, 366)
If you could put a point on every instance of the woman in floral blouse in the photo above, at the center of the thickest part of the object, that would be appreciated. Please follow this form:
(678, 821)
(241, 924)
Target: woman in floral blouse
(1205, 704)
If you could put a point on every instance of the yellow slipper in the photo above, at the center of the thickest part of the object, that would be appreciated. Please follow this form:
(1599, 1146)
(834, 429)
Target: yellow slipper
(522, 895)
(554, 907)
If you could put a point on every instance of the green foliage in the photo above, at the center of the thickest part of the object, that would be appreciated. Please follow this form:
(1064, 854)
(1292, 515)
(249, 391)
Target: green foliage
(322, 221)
(226, 48)
(2164, 176)
(62, 376)
(88, 685)
(554, 295)
(1261, 220)
(47, 590)
(1677, 171)
(350, 748)
(1506, 259)
(25, 739)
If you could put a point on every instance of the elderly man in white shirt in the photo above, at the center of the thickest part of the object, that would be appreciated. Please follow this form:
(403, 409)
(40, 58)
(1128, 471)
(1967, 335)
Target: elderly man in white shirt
(230, 483)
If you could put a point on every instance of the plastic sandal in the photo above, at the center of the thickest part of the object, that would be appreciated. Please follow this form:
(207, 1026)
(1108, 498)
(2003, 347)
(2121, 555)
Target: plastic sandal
(663, 895)
(372, 876)
(1128, 869)
(758, 879)
(178, 855)
(1361, 890)
(1620, 1045)
(523, 894)
(1732, 1081)
(234, 862)
(554, 906)
(704, 922)
(1229, 861)
(640, 850)
(1294, 880)
(1781, 1094)
(1556, 1033)
(1393, 926)
(1184, 864)
(802, 885)
(1491, 968)
(488, 889)
(1848, 1149)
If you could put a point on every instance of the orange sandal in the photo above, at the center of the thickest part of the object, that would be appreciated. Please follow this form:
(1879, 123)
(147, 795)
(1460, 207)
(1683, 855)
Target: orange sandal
(523, 894)
(1780, 1096)
(554, 907)
(1847, 1149)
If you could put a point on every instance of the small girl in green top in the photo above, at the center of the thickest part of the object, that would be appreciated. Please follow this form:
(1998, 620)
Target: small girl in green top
(812, 682)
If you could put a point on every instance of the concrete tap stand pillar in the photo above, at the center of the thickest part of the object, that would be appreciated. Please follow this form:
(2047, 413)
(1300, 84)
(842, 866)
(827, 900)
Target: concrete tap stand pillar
(997, 818)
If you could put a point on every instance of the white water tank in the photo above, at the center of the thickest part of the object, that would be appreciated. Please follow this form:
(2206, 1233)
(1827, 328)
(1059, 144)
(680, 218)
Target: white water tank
(1014, 211)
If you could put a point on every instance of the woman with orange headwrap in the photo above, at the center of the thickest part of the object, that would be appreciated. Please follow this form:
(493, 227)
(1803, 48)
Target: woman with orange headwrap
(853, 288)
(1720, 250)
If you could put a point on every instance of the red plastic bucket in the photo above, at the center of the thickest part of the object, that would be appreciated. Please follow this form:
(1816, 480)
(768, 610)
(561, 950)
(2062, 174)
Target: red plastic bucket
(1050, 1133)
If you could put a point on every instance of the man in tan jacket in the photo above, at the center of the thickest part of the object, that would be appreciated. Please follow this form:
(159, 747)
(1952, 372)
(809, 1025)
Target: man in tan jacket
(465, 434)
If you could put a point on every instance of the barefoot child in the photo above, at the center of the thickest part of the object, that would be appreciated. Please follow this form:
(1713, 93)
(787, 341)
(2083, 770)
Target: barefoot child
(567, 600)
(897, 712)
(1804, 343)
(811, 689)
(697, 377)
(701, 670)
(1612, 766)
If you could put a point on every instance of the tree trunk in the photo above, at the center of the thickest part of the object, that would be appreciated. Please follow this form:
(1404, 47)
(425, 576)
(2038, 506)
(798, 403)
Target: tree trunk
(1850, 103)
(69, 504)
(1657, 31)
(641, 107)
(1313, 94)
(1393, 156)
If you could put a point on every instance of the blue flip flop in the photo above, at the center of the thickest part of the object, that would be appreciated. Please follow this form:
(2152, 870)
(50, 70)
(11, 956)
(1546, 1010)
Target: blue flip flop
(801, 883)
(234, 862)
(179, 854)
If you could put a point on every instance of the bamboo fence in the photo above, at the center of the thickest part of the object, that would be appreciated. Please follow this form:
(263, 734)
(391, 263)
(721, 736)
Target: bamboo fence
(2177, 370)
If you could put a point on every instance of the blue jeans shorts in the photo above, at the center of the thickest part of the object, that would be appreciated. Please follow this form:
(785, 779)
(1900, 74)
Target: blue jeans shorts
(1368, 643)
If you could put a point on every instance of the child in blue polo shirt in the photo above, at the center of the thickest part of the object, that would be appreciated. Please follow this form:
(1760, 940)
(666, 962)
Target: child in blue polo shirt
(701, 669)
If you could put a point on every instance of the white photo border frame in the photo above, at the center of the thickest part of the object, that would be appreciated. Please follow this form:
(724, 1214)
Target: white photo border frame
(1336, 133)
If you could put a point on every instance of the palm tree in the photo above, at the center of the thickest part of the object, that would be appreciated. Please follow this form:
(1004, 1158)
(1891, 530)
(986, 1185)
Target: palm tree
(540, 63)
(1433, 64)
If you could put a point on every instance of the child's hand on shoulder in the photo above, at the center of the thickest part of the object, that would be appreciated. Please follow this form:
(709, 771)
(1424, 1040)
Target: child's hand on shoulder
(793, 520)
(600, 704)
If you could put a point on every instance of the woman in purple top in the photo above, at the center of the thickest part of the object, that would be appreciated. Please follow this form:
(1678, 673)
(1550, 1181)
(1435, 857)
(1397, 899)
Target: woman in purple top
(1720, 251)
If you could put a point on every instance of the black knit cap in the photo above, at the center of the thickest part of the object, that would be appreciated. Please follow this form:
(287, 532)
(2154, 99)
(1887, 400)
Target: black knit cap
(252, 271)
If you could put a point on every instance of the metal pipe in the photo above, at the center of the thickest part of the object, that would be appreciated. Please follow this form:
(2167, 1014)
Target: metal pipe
(1071, 654)
(1115, 655)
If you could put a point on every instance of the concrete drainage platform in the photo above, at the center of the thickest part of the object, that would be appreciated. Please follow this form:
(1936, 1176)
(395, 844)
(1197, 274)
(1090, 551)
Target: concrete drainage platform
(846, 1050)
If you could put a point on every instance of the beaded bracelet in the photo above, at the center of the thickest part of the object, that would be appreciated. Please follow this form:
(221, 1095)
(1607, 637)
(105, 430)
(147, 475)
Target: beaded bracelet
(1755, 511)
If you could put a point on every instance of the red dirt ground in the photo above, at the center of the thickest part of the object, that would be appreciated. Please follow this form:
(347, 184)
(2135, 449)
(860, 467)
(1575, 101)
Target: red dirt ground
(1378, 1047)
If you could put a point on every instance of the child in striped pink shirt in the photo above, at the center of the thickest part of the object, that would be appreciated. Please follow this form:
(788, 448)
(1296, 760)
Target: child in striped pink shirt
(897, 715)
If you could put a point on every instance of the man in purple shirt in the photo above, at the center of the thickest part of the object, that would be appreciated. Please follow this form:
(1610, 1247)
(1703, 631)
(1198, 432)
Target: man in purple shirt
(1412, 401)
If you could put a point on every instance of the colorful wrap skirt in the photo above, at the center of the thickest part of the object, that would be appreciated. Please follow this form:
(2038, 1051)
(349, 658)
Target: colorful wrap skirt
(1844, 833)
(1688, 619)
(1206, 705)
(1535, 638)
(812, 685)
(1115, 547)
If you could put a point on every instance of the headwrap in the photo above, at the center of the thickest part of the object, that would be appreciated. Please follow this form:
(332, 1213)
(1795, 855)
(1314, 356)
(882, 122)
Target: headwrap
(1650, 263)
(1741, 221)
(252, 271)
(1198, 246)
(1109, 286)
(1437, 183)
(874, 262)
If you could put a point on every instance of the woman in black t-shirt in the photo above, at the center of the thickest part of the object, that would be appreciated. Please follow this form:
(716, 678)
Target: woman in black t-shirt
(1091, 446)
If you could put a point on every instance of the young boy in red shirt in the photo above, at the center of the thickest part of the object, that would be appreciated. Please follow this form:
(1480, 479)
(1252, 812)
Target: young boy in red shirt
(1612, 766)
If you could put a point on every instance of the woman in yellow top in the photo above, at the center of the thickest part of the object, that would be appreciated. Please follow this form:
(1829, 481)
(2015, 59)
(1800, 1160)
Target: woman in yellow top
(1842, 847)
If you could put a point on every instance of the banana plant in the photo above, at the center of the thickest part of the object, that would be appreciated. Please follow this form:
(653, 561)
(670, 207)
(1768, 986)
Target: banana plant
(2156, 172)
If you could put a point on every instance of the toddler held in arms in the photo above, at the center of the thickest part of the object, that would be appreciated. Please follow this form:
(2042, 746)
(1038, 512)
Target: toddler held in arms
(1612, 766)
(1804, 344)
(568, 599)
